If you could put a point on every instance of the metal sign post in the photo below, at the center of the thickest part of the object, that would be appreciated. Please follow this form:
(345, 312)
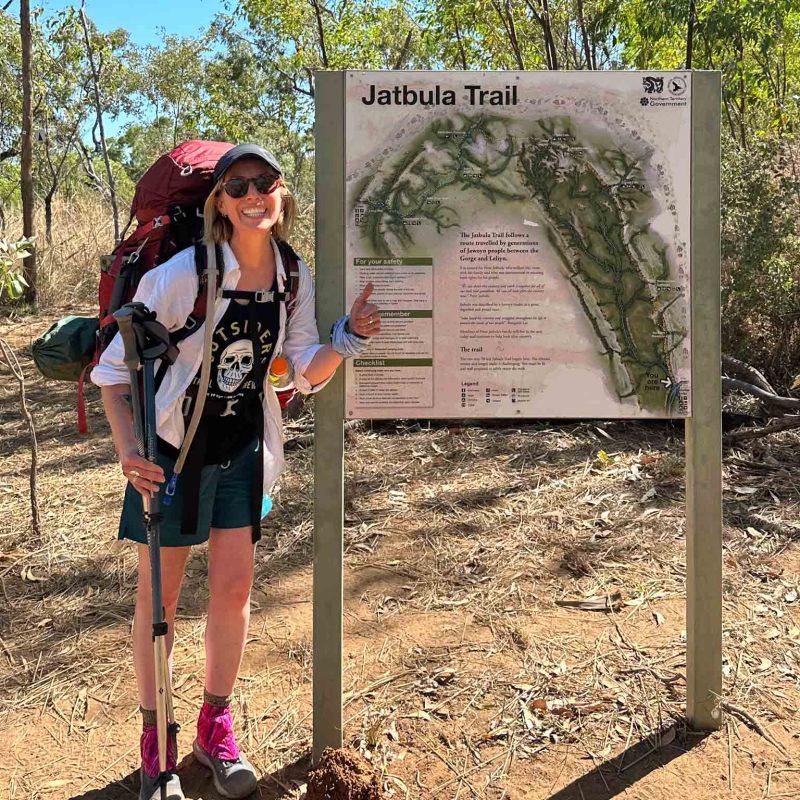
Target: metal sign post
(703, 428)
(329, 419)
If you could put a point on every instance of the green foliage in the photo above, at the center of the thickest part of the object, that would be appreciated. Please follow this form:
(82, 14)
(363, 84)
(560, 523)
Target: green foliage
(761, 256)
(12, 283)
(754, 43)
(250, 78)
(10, 81)
(494, 34)
(140, 145)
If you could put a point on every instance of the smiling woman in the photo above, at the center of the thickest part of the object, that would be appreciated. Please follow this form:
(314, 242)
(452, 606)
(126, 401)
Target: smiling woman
(236, 453)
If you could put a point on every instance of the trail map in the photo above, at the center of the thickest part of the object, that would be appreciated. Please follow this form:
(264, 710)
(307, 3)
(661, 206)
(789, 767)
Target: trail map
(528, 238)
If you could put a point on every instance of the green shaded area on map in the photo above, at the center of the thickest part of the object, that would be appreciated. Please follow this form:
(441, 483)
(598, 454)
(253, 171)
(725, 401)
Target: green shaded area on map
(592, 195)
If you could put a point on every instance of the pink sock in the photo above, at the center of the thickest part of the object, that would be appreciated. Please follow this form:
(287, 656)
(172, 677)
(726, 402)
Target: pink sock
(215, 732)
(149, 747)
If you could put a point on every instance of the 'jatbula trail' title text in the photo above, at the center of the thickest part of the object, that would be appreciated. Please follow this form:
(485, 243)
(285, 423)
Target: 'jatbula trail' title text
(405, 96)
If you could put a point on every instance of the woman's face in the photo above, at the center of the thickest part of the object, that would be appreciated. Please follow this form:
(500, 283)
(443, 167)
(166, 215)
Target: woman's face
(253, 211)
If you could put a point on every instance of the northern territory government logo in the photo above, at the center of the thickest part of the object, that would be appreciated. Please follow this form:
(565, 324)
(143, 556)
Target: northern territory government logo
(662, 92)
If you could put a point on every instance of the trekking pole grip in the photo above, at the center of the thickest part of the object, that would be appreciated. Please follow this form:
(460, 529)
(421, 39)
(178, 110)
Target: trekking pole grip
(124, 318)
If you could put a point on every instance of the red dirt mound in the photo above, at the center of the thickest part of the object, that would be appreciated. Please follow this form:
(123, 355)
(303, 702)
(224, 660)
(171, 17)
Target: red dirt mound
(343, 775)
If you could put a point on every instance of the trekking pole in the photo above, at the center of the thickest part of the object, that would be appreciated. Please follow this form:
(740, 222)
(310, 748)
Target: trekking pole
(145, 340)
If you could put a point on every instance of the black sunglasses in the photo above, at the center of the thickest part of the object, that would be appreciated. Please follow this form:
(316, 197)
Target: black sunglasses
(238, 187)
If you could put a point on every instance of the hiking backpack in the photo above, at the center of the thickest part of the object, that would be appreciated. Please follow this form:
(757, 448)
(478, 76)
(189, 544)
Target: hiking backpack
(168, 209)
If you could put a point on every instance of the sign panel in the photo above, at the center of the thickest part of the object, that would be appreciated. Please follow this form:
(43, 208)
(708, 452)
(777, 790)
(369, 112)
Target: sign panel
(528, 238)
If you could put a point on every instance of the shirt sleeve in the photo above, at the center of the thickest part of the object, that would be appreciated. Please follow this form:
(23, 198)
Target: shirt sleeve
(302, 337)
(163, 290)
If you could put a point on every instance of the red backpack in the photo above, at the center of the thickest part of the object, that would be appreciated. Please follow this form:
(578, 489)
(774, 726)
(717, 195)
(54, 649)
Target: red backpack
(168, 208)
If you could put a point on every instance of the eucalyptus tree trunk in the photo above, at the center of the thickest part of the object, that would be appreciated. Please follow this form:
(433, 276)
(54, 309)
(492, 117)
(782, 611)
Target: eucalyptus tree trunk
(112, 186)
(26, 170)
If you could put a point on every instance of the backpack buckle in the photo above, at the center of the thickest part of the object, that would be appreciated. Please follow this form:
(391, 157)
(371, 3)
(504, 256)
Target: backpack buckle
(190, 324)
(263, 296)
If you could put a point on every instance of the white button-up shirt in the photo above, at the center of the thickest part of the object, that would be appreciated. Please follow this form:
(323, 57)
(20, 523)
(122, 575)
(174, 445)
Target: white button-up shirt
(171, 290)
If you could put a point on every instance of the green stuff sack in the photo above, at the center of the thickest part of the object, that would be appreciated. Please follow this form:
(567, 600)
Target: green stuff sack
(66, 348)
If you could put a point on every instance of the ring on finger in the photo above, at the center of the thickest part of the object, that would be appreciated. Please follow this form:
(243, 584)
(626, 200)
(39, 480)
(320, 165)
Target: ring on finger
(134, 473)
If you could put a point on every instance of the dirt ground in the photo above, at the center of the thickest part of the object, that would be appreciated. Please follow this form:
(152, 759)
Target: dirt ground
(465, 675)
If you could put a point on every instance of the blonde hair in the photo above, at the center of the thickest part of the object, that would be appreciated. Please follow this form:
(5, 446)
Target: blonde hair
(218, 229)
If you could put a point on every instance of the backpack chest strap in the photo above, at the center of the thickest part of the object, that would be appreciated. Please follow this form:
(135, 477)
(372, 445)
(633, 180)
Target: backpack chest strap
(260, 296)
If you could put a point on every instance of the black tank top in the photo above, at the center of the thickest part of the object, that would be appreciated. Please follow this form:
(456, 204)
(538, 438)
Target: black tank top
(243, 342)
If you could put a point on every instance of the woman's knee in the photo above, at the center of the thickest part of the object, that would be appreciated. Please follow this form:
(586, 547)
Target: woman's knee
(230, 567)
(233, 591)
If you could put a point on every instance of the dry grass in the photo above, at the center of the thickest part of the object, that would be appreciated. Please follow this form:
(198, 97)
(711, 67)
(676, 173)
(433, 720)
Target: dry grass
(465, 673)
(69, 267)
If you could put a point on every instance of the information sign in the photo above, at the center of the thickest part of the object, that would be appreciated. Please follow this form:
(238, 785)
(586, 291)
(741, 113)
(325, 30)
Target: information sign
(527, 235)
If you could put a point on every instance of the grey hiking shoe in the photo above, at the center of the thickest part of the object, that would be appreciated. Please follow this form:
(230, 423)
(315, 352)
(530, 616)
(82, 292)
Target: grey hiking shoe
(234, 779)
(151, 789)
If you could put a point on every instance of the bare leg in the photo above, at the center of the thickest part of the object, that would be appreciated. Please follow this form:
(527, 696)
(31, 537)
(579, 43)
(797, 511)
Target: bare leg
(173, 561)
(230, 579)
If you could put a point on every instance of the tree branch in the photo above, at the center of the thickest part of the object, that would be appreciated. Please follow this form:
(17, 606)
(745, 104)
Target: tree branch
(769, 398)
(690, 35)
(586, 51)
(739, 369)
(403, 55)
(96, 82)
(460, 43)
(9, 359)
(321, 31)
(785, 424)
(508, 24)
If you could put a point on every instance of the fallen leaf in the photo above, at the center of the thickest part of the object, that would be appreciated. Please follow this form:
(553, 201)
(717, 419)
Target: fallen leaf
(659, 618)
(606, 602)
(764, 665)
(745, 489)
(593, 708)
(27, 575)
(419, 715)
(530, 721)
(773, 633)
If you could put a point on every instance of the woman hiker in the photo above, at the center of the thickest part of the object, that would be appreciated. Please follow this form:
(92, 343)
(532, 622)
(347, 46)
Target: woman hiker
(237, 452)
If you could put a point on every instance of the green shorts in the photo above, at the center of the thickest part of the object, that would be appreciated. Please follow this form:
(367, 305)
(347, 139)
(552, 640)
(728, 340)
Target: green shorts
(225, 501)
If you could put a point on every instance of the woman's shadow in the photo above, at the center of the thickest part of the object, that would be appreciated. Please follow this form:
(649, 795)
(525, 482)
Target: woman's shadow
(196, 783)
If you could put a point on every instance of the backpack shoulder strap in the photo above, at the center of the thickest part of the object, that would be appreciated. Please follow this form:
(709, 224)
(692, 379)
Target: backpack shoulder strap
(291, 265)
(198, 313)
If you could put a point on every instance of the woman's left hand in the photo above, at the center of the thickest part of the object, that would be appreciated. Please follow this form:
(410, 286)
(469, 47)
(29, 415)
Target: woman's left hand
(365, 318)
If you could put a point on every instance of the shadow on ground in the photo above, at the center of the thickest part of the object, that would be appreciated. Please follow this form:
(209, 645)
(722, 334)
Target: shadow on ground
(196, 782)
(615, 777)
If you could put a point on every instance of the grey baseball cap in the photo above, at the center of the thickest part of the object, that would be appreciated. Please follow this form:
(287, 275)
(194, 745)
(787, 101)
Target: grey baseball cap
(245, 151)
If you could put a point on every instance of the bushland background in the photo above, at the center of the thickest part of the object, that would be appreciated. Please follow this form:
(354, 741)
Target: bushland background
(465, 677)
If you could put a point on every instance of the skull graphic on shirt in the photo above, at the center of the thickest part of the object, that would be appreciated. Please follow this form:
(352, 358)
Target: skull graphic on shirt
(234, 365)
